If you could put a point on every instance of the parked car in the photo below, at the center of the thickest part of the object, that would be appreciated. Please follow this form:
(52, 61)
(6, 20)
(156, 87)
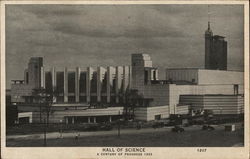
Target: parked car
(139, 125)
(171, 123)
(177, 129)
(196, 122)
(207, 127)
(186, 125)
(92, 127)
(213, 121)
(106, 127)
(158, 125)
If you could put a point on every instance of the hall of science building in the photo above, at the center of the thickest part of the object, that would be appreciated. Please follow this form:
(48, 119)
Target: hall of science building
(89, 95)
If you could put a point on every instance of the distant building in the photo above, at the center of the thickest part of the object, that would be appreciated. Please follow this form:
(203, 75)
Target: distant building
(99, 95)
(215, 51)
(185, 81)
(11, 110)
(79, 85)
(78, 89)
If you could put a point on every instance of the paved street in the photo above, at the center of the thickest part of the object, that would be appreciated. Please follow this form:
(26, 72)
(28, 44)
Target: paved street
(193, 136)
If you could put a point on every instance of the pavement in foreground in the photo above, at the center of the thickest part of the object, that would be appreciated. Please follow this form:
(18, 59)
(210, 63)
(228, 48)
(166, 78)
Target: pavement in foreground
(146, 137)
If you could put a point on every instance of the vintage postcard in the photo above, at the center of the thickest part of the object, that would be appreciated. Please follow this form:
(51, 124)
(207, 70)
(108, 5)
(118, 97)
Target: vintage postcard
(125, 79)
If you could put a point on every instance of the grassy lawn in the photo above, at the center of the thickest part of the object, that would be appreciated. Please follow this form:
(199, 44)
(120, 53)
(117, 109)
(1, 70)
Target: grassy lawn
(199, 138)
(39, 128)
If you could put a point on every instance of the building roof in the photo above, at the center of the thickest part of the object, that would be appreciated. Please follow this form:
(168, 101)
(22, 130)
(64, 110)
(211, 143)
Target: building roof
(218, 37)
(211, 95)
(190, 68)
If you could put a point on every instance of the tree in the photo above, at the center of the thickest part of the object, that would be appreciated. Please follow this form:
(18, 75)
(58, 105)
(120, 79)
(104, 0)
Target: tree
(44, 98)
(11, 112)
(132, 100)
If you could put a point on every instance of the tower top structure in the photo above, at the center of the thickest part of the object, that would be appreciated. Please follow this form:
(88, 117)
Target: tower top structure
(208, 31)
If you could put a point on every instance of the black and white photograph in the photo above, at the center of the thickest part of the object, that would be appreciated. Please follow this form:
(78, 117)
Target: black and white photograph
(124, 77)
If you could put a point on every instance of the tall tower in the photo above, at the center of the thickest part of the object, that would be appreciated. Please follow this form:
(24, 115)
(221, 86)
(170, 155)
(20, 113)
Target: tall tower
(215, 50)
(208, 46)
(139, 63)
(219, 56)
(34, 72)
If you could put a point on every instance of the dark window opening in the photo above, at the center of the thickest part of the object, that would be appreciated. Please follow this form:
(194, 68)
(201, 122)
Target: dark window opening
(82, 82)
(60, 99)
(158, 117)
(27, 77)
(113, 86)
(71, 99)
(112, 100)
(145, 76)
(93, 100)
(104, 84)
(104, 99)
(60, 82)
(48, 81)
(71, 82)
(83, 99)
(236, 89)
(154, 75)
(93, 83)
(24, 120)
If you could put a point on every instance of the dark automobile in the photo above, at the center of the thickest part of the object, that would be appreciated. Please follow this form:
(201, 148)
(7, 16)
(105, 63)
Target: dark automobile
(92, 127)
(196, 122)
(186, 125)
(139, 125)
(171, 123)
(207, 127)
(158, 125)
(215, 122)
(177, 129)
(106, 127)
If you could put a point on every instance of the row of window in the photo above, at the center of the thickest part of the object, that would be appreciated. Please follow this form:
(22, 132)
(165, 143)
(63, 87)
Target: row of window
(82, 83)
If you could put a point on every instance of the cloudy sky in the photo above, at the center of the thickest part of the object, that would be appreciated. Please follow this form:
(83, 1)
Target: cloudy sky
(103, 35)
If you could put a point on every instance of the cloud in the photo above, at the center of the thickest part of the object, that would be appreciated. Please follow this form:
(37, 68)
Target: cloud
(18, 19)
(46, 10)
(108, 21)
(139, 32)
(88, 35)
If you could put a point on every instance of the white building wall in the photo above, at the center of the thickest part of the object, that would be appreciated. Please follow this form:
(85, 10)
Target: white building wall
(219, 104)
(159, 93)
(100, 76)
(56, 116)
(169, 94)
(89, 77)
(53, 74)
(148, 113)
(161, 110)
(176, 90)
(26, 114)
(118, 86)
(77, 80)
(121, 75)
(220, 77)
(194, 101)
(65, 84)
(126, 77)
(182, 74)
(240, 103)
(139, 62)
(20, 90)
(183, 109)
(110, 74)
(203, 76)
(42, 77)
